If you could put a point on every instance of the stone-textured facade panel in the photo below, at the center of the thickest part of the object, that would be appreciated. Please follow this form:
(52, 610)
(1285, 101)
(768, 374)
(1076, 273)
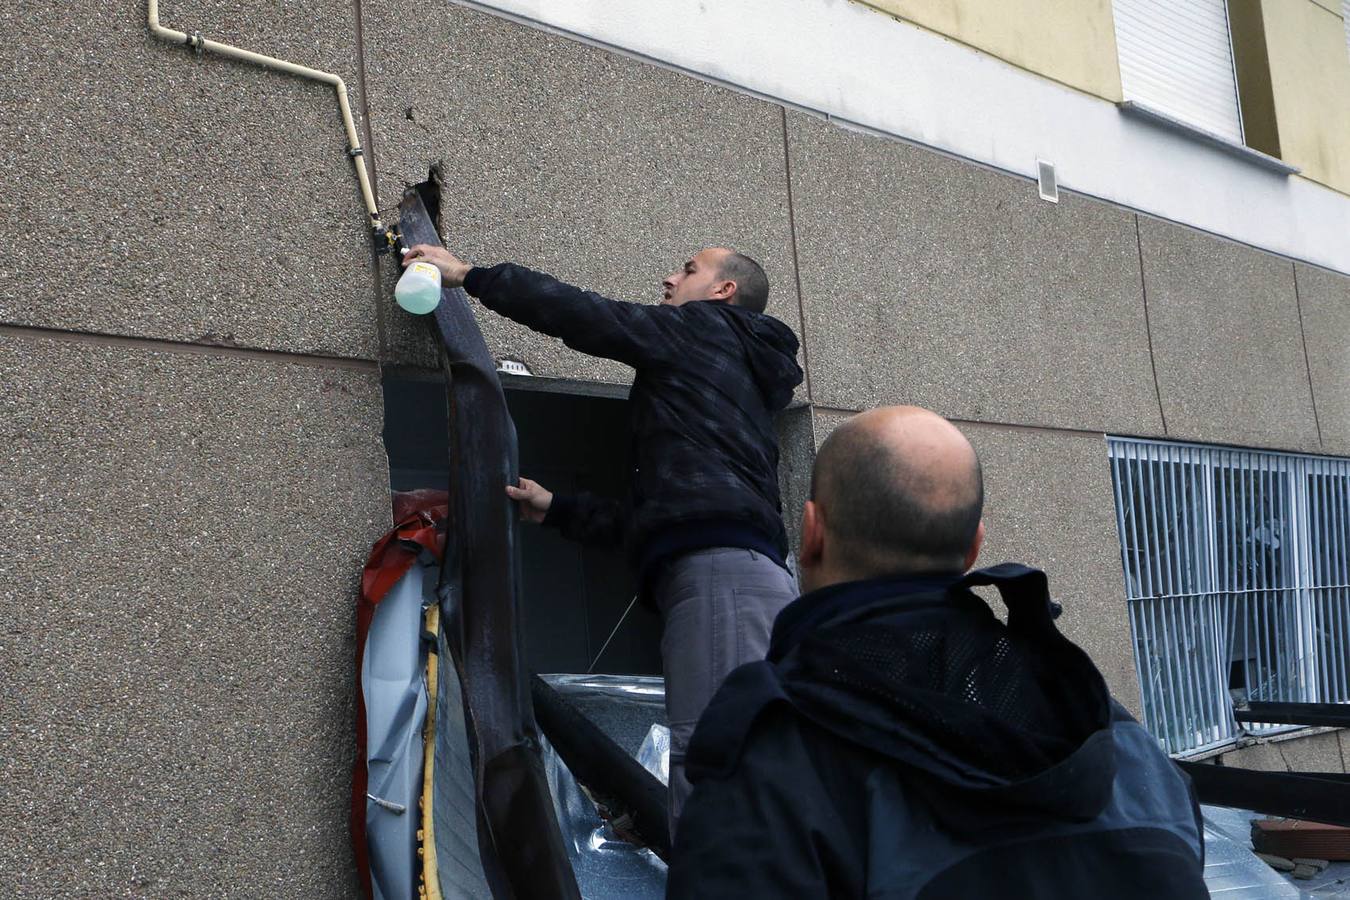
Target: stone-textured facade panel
(157, 193)
(1319, 752)
(596, 168)
(1324, 301)
(1226, 340)
(932, 281)
(796, 455)
(188, 532)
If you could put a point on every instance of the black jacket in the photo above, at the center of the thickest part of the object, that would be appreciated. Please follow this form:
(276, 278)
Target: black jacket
(710, 378)
(901, 742)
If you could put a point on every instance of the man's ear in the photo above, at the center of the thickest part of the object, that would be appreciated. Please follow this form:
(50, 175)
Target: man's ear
(725, 290)
(813, 536)
(973, 553)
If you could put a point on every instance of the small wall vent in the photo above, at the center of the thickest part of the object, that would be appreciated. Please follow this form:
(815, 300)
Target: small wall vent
(1045, 180)
(513, 367)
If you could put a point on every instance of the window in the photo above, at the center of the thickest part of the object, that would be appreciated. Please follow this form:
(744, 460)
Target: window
(577, 601)
(1236, 577)
(1177, 58)
(1200, 67)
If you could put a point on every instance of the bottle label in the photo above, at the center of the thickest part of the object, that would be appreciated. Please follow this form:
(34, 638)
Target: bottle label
(426, 269)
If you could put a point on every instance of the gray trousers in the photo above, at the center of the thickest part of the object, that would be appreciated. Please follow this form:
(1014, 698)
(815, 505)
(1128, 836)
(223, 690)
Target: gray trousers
(717, 608)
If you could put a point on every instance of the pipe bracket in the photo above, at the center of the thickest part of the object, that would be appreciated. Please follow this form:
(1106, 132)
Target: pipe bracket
(385, 239)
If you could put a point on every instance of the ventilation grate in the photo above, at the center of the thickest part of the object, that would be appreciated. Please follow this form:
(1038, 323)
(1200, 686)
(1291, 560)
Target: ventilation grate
(1045, 180)
(513, 367)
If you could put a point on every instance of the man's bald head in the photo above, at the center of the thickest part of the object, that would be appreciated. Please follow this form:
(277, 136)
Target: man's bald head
(898, 489)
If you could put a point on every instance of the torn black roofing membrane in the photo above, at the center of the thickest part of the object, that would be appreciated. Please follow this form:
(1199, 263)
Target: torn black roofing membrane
(520, 845)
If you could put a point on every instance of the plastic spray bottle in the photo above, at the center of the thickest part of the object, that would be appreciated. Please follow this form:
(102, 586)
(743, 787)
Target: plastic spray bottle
(419, 288)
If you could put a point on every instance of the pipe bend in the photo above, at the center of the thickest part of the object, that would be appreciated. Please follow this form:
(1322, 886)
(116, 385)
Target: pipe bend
(172, 36)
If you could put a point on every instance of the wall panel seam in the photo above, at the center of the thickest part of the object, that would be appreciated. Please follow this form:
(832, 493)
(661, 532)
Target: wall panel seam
(985, 423)
(796, 259)
(1307, 363)
(377, 285)
(1148, 328)
(188, 348)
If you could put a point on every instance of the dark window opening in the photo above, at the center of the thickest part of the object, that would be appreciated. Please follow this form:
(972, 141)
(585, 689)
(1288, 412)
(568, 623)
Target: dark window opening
(572, 596)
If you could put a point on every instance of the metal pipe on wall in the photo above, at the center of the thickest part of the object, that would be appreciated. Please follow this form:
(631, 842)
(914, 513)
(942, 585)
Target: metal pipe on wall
(197, 42)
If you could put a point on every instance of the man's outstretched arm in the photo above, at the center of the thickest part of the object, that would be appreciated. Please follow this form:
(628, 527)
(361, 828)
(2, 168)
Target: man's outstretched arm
(583, 517)
(631, 333)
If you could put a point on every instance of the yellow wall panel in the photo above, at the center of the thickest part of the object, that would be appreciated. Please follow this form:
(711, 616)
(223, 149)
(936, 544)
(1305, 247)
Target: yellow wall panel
(1071, 41)
(1310, 80)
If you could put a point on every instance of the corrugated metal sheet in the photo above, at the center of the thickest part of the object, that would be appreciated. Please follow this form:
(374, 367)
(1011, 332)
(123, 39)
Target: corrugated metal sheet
(1232, 871)
(1176, 57)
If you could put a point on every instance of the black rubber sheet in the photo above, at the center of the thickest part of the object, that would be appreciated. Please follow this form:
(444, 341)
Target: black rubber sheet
(518, 836)
(1313, 796)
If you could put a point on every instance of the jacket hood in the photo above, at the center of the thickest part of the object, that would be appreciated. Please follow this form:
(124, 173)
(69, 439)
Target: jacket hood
(992, 723)
(771, 348)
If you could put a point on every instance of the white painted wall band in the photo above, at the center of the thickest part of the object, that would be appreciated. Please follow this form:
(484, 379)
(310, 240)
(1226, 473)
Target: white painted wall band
(843, 60)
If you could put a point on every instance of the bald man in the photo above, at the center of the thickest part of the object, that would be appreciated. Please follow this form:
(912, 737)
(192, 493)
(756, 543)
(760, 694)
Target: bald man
(702, 522)
(900, 741)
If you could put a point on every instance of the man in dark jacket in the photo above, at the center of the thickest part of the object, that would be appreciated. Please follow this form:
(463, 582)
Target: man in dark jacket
(702, 522)
(902, 742)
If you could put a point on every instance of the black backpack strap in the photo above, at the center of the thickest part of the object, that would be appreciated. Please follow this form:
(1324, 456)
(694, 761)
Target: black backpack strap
(1025, 591)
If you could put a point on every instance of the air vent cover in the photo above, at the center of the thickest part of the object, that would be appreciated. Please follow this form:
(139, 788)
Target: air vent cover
(513, 367)
(1045, 180)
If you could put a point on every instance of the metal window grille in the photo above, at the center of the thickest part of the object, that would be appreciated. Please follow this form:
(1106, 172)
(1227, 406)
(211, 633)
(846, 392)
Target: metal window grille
(1237, 580)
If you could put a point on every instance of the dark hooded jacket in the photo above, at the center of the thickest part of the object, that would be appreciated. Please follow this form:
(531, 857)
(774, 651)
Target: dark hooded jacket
(902, 742)
(710, 378)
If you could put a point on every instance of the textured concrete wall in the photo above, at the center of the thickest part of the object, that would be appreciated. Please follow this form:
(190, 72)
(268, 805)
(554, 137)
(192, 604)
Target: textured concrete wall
(932, 281)
(1324, 303)
(186, 525)
(1227, 341)
(1050, 504)
(797, 453)
(598, 169)
(162, 195)
(185, 532)
(191, 231)
(1321, 752)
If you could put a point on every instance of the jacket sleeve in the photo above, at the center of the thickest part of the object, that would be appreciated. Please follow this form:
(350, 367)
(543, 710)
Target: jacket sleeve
(767, 830)
(588, 519)
(632, 333)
